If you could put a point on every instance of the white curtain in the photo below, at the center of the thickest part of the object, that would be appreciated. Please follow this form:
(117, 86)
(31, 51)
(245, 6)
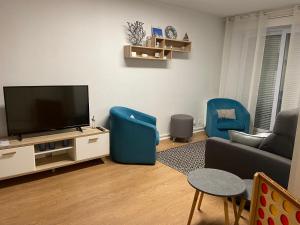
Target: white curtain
(242, 59)
(291, 89)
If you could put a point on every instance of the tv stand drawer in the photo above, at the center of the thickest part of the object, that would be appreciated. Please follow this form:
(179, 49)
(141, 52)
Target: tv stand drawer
(92, 146)
(16, 161)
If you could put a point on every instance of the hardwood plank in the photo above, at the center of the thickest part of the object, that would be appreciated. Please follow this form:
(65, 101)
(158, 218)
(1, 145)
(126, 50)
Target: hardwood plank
(94, 193)
(167, 143)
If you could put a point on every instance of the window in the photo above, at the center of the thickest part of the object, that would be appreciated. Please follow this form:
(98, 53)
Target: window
(272, 78)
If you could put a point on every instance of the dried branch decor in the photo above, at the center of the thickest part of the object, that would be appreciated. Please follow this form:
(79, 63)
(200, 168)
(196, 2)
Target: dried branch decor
(136, 32)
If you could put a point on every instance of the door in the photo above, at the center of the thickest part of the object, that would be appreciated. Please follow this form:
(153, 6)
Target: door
(272, 78)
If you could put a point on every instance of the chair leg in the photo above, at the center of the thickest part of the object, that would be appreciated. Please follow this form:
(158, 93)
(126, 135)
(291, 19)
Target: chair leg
(193, 207)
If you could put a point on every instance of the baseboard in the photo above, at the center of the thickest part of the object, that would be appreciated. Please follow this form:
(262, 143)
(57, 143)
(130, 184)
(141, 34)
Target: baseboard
(167, 136)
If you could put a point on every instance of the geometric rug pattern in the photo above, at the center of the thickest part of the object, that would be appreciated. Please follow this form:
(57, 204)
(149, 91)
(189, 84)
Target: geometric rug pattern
(185, 158)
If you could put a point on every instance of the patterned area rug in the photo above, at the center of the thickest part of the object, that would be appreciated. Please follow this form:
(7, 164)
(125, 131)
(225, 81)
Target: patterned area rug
(184, 158)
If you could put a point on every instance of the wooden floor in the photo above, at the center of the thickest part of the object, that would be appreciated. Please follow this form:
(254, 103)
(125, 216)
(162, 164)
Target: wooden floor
(167, 144)
(107, 194)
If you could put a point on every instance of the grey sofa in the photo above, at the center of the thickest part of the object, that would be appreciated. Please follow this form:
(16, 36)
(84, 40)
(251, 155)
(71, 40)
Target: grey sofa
(273, 157)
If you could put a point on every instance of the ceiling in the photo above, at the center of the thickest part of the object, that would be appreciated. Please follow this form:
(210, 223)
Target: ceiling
(231, 7)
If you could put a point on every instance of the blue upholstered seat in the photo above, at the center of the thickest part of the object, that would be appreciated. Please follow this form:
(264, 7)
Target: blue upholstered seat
(225, 124)
(133, 136)
(216, 127)
(157, 137)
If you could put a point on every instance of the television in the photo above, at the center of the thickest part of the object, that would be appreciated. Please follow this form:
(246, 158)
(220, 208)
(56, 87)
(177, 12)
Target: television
(31, 109)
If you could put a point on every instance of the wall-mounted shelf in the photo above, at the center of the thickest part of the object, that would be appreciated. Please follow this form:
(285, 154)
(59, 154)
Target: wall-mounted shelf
(139, 50)
(172, 44)
(164, 50)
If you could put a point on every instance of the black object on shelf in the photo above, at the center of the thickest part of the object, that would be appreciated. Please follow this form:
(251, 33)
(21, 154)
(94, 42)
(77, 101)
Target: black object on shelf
(42, 147)
(79, 129)
(51, 145)
(65, 143)
(100, 128)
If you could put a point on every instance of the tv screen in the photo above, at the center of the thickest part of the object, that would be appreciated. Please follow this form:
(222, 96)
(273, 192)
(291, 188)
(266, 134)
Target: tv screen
(32, 109)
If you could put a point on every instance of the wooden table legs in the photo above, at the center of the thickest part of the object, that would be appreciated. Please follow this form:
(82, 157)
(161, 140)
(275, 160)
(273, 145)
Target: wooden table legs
(241, 208)
(226, 211)
(200, 200)
(193, 207)
(237, 213)
(234, 207)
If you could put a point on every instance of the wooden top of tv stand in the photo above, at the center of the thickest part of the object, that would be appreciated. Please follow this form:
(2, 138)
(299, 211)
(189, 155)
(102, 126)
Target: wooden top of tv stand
(47, 137)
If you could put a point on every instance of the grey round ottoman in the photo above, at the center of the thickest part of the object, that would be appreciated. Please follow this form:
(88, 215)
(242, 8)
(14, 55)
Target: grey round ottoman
(181, 126)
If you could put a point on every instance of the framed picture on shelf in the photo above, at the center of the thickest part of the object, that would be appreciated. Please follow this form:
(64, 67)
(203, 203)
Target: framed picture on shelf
(156, 32)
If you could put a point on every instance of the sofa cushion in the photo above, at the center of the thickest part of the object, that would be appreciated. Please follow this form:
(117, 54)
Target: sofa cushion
(226, 114)
(245, 139)
(281, 141)
(286, 123)
(227, 124)
(279, 145)
(244, 161)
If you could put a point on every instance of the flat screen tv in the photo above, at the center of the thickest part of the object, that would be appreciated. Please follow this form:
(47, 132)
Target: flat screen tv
(31, 109)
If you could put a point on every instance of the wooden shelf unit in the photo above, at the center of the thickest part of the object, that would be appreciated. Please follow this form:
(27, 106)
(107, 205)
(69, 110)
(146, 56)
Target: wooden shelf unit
(150, 51)
(53, 162)
(165, 48)
(168, 54)
(24, 157)
(177, 45)
(52, 150)
(58, 147)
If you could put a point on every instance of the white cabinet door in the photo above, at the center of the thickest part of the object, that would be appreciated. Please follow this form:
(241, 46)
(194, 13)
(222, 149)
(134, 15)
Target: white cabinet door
(92, 146)
(16, 161)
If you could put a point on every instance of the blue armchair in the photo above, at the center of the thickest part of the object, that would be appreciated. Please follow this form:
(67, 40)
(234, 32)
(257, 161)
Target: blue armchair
(216, 127)
(133, 136)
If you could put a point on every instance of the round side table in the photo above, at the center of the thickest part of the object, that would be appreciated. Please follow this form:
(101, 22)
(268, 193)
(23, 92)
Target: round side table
(218, 183)
(181, 126)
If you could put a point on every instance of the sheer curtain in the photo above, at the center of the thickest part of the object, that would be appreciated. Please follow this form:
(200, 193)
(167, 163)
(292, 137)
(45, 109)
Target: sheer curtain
(291, 89)
(242, 59)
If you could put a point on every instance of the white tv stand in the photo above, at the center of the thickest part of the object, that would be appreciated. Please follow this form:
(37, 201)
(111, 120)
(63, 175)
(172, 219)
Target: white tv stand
(23, 157)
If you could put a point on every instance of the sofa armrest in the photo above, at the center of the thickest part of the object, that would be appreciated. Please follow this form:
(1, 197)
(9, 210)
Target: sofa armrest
(244, 116)
(245, 161)
(211, 119)
(144, 117)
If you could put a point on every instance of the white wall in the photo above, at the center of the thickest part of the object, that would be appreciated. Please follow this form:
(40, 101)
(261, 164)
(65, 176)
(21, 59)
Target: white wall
(294, 180)
(58, 42)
